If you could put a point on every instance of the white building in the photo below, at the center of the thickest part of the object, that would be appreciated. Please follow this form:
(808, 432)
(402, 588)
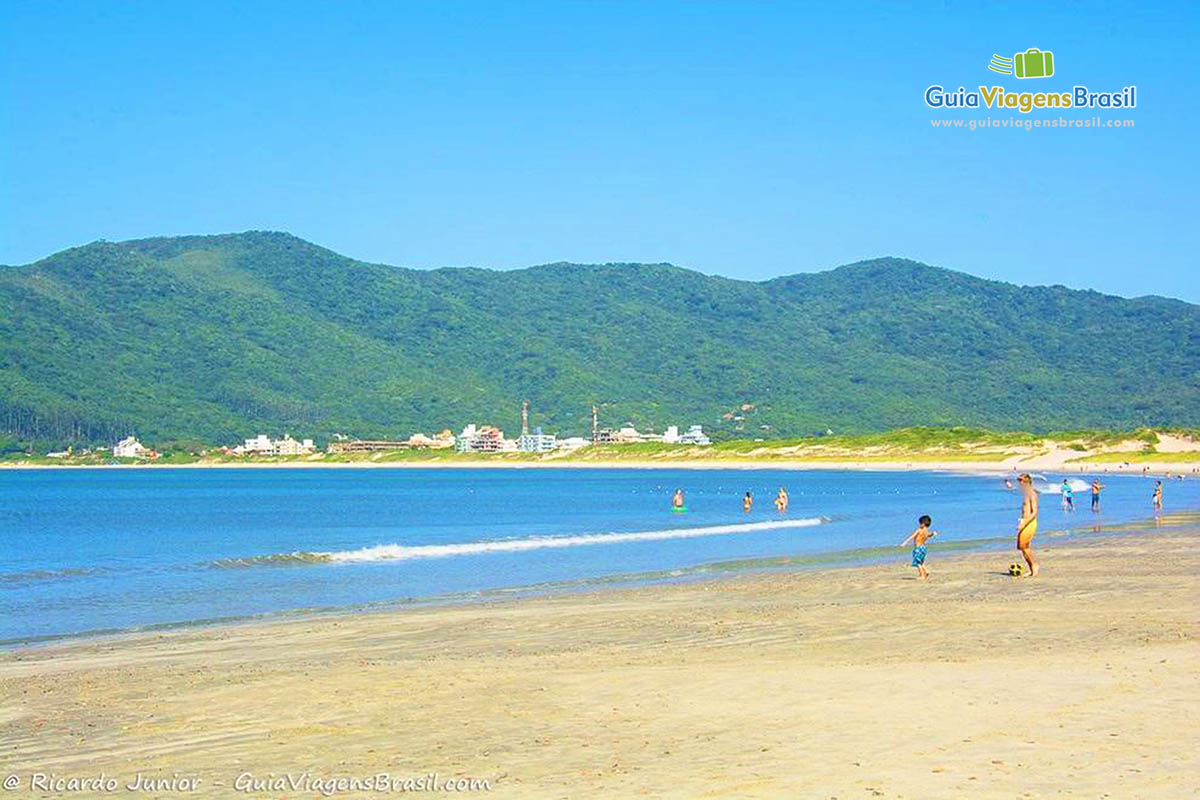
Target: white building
(463, 443)
(435, 442)
(695, 435)
(260, 444)
(629, 434)
(287, 446)
(129, 447)
(537, 442)
(671, 435)
(572, 443)
(482, 439)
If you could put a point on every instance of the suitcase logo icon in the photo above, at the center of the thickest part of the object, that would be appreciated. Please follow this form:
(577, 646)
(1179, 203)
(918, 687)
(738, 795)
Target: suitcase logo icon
(1033, 63)
(1001, 64)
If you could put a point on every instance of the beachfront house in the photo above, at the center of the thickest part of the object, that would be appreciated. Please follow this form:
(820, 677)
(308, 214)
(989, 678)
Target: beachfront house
(463, 443)
(130, 447)
(435, 442)
(481, 439)
(259, 445)
(536, 442)
(572, 443)
(695, 435)
(603, 436)
(628, 434)
(287, 446)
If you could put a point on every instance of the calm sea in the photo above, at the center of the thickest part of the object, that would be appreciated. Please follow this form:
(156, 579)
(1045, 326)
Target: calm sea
(84, 551)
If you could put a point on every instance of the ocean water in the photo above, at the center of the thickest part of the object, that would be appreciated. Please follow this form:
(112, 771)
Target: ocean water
(98, 550)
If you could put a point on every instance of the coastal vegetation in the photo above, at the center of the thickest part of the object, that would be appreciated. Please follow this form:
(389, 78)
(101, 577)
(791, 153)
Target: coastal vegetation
(216, 338)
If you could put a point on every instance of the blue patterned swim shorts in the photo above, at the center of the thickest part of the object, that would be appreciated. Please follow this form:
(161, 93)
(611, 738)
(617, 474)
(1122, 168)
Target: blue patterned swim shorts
(918, 555)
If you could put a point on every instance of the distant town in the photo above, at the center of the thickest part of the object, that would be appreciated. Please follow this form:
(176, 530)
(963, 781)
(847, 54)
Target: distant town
(473, 438)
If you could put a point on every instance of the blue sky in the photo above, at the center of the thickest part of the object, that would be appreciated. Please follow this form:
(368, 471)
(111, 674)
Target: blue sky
(746, 140)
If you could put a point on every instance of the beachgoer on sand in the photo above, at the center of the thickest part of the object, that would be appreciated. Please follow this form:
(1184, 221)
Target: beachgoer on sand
(919, 537)
(1028, 523)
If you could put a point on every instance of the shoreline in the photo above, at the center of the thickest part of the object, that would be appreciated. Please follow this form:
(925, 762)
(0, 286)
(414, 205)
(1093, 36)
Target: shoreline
(720, 687)
(1034, 463)
(599, 586)
(603, 585)
(1183, 524)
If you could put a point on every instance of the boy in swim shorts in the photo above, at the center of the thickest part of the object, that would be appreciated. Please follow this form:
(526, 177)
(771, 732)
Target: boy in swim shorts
(919, 537)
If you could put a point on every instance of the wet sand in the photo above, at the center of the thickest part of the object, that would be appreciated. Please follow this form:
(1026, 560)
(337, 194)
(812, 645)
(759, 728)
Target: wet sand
(848, 682)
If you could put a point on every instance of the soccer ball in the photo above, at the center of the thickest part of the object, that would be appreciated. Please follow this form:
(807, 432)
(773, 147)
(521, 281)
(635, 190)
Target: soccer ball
(1015, 570)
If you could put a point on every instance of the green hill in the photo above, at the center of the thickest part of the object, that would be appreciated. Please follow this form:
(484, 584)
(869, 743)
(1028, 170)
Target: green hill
(219, 337)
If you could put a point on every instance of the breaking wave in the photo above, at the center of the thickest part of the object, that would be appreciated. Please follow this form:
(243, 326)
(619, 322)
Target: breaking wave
(399, 552)
(1076, 485)
(274, 560)
(48, 574)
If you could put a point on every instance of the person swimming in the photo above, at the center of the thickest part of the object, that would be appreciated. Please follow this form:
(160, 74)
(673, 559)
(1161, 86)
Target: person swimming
(747, 502)
(781, 500)
(677, 500)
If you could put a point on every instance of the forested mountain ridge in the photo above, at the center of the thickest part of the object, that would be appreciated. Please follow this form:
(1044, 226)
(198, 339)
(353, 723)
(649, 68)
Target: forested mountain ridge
(220, 337)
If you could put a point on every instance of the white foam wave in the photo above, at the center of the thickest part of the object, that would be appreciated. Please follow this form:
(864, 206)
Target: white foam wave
(1076, 485)
(397, 552)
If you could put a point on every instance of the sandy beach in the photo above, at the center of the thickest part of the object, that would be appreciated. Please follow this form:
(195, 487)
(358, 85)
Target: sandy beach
(849, 682)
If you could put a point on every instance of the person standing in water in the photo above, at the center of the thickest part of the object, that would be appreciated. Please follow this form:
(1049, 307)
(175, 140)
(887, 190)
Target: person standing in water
(1027, 524)
(1096, 487)
(677, 500)
(1068, 495)
(781, 500)
(1158, 497)
(747, 502)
